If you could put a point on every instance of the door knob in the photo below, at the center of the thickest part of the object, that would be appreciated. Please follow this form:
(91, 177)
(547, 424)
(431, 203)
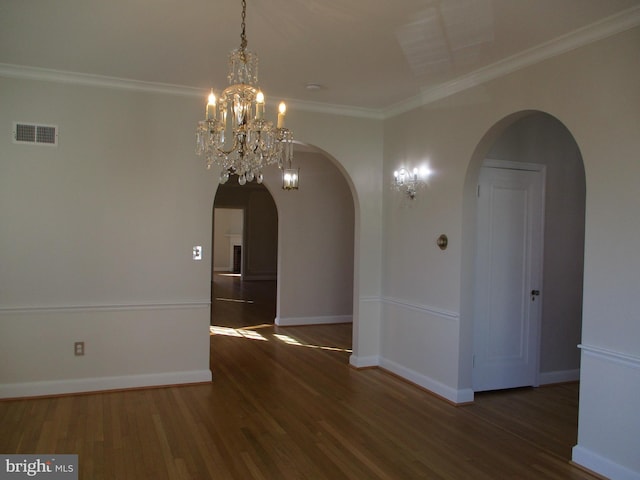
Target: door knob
(534, 294)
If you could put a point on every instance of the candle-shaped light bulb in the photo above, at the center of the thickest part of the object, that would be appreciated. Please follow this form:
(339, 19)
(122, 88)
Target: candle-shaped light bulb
(282, 108)
(259, 105)
(402, 174)
(211, 106)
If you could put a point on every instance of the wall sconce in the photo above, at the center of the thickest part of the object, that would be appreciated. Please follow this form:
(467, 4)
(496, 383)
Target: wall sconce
(409, 182)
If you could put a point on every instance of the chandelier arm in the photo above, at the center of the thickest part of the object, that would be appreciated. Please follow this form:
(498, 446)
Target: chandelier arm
(221, 151)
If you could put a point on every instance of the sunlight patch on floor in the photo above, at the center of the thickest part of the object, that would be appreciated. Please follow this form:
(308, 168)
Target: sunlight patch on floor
(236, 332)
(250, 333)
(292, 341)
(257, 327)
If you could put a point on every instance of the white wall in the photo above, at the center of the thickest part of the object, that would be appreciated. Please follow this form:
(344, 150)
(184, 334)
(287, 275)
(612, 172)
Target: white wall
(594, 92)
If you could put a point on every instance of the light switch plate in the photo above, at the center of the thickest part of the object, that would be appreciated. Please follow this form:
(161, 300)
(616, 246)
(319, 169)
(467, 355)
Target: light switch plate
(197, 252)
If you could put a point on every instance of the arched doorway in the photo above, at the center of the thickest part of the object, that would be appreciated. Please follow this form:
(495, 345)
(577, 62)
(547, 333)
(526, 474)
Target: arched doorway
(314, 263)
(538, 138)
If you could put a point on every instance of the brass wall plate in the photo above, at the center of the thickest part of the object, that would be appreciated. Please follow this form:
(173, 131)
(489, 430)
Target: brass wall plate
(442, 242)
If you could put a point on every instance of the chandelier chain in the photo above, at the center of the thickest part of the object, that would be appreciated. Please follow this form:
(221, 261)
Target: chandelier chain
(243, 35)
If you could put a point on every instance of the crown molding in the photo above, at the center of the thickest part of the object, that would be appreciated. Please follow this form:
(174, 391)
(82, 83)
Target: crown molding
(25, 72)
(332, 109)
(604, 28)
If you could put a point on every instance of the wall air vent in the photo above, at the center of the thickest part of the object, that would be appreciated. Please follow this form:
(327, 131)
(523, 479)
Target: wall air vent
(35, 134)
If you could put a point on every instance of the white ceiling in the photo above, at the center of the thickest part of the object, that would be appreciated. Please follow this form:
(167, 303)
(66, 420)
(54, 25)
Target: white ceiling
(369, 54)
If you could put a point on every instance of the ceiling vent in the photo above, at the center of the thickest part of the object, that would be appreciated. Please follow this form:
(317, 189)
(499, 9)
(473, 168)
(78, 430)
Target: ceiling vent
(35, 134)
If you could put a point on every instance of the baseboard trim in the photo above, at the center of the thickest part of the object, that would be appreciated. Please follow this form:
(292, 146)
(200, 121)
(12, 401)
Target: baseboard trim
(457, 397)
(601, 465)
(84, 385)
(364, 362)
(440, 390)
(324, 320)
(559, 376)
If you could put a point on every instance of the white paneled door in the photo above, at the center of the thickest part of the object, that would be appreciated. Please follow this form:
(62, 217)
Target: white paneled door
(508, 276)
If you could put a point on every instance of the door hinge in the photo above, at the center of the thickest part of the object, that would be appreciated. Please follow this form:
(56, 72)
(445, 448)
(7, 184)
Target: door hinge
(474, 361)
(478, 191)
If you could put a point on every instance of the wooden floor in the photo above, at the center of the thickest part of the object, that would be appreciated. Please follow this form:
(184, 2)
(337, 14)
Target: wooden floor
(284, 404)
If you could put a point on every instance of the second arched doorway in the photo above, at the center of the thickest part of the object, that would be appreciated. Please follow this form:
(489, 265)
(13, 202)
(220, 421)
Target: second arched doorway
(537, 138)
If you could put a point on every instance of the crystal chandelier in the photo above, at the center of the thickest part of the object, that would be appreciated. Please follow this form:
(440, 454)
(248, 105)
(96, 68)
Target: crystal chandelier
(235, 135)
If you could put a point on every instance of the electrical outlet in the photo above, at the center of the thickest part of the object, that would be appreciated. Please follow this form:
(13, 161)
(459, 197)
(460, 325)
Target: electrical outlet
(78, 349)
